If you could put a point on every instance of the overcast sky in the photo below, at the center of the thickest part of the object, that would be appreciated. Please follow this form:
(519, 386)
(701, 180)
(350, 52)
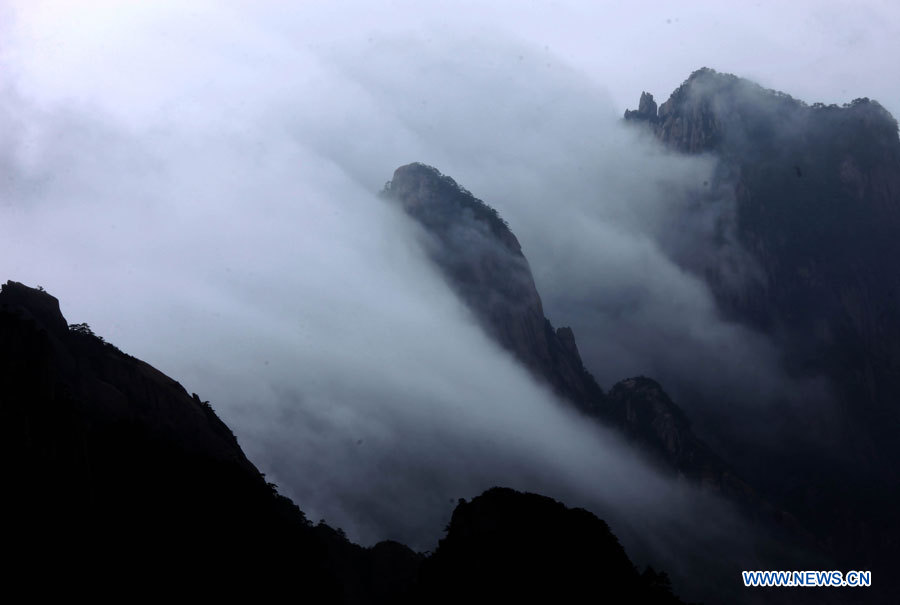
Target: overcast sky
(816, 50)
(197, 184)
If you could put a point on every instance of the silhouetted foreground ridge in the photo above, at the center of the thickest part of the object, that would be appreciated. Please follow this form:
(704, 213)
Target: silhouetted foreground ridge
(118, 481)
(508, 547)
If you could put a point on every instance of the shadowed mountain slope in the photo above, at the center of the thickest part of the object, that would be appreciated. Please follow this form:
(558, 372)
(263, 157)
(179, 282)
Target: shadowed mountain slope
(483, 262)
(817, 200)
(115, 477)
(117, 483)
(505, 546)
(817, 190)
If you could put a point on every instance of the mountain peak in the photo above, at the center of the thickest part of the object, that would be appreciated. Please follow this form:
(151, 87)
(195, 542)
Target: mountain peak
(703, 71)
(440, 203)
(646, 109)
(40, 305)
(481, 259)
(497, 285)
(502, 536)
(715, 111)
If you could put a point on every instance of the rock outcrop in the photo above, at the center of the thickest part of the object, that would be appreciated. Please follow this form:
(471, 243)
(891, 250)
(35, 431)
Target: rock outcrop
(646, 109)
(483, 262)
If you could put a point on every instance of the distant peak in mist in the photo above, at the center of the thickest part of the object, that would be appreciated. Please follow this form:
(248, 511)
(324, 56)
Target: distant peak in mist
(816, 191)
(710, 105)
(481, 260)
(439, 202)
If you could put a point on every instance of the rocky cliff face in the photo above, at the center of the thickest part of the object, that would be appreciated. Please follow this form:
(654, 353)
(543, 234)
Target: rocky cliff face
(646, 109)
(648, 410)
(483, 261)
(817, 192)
(818, 208)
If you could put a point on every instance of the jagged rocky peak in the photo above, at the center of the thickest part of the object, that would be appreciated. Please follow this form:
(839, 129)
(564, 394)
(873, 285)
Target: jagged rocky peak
(686, 120)
(646, 109)
(483, 262)
(713, 111)
(816, 191)
(497, 285)
(647, 105)
(440, 203)
(472, 245)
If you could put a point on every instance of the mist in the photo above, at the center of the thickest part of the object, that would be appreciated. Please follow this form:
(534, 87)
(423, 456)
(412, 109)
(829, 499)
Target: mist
(609, 220)
(201, 189)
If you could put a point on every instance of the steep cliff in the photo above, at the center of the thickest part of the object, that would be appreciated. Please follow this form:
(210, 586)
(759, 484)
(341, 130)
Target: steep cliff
(483, 261)
(817, 194)
(648, 410)
(818, 208)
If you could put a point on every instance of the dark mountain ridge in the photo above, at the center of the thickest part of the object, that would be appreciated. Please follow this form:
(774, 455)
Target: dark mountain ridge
(483, 262)
(117, 483)
(110, 465)
(117, 477)
(817, 197)
(487, 553)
